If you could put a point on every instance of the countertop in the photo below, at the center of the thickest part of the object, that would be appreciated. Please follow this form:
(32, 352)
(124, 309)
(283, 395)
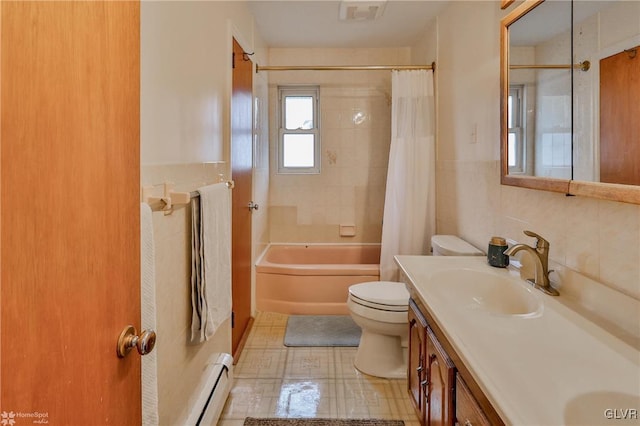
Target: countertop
(552, 368)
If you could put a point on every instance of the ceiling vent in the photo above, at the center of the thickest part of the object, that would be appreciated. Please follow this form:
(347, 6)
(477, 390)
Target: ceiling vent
(361, 10)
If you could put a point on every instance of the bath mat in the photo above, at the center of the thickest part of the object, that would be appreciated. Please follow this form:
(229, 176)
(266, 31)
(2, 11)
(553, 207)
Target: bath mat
(252, 421)
(321, 330)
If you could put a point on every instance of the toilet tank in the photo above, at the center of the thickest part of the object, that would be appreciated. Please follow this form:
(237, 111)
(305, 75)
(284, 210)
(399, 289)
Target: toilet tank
(450, 245)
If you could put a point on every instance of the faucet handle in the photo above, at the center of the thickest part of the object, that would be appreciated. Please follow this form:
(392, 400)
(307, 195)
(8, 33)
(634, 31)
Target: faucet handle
(541, 242)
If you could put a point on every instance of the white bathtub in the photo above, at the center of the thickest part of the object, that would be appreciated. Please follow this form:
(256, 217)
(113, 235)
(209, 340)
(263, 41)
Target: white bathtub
(313, 279)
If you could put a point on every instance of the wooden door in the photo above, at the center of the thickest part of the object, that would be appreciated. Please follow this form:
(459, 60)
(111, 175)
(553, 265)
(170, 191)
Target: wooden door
(441, 384)
(416, 363)
(69, 211)
(241, 170)
(619, 123)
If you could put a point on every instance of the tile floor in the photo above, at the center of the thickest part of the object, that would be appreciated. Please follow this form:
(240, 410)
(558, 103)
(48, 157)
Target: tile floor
(272, 380)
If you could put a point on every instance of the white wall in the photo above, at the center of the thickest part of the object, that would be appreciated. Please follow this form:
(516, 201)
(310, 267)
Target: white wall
(185, 131)
(591, 238)
(185, 63)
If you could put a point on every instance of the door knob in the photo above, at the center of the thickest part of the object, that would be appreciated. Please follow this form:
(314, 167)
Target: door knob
(252, 206)
(129, 339)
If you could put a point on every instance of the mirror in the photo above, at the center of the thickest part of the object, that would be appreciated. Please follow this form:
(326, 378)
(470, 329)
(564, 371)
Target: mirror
(569, 98)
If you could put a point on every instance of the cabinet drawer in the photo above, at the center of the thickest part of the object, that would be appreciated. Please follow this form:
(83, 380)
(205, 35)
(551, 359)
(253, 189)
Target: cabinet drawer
(468, 412)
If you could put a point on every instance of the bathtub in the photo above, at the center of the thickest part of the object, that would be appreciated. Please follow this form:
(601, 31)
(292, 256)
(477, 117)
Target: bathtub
(313, 279)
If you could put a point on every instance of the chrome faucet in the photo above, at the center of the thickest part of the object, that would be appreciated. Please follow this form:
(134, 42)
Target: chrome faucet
(541, 258)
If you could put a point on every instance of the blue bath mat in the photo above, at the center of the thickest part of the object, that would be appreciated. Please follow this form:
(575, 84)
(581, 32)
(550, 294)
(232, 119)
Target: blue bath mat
(321, 330)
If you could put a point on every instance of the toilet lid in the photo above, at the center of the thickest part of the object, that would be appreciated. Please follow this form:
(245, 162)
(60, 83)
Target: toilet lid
(381, 294)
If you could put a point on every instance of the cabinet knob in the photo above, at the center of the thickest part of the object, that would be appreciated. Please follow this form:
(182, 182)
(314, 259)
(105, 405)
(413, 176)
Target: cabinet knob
(419, 368)
(468, 423)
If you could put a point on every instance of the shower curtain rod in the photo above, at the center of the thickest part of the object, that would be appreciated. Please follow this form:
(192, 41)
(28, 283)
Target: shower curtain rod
(582, 66)
(344, 67)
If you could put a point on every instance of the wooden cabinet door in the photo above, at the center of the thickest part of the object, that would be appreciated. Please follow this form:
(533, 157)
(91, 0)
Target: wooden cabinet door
(468, 411)
(416, 364)
(441, 384)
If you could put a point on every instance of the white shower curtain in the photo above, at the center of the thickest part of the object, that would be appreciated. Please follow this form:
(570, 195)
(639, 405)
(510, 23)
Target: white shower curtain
(409, 205)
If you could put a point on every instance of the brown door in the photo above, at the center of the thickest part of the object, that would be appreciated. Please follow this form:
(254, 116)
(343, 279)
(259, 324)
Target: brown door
(619, 123)
(69, 211)
(241, 170)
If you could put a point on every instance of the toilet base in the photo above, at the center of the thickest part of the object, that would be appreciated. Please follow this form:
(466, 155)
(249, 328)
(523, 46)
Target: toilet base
(381, 356)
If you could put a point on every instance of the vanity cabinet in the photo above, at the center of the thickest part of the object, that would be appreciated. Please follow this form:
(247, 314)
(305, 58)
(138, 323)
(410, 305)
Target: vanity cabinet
(431, 373)
(468, 412)
(416, 362)
(439, 384)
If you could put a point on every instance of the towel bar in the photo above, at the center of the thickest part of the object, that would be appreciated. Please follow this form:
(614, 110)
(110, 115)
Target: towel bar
(230, 184)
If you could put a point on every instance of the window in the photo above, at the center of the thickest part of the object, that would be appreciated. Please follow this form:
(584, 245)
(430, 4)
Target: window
(299, 138)
(515, 123)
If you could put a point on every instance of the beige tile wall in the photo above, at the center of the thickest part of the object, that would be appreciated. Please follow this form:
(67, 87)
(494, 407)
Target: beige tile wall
(594, 239)
(350, 188)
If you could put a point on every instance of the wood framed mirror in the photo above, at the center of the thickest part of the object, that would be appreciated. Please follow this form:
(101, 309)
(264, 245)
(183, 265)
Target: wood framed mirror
(555, 59)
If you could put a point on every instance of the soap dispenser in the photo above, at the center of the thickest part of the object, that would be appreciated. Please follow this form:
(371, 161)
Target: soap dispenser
(495, 254)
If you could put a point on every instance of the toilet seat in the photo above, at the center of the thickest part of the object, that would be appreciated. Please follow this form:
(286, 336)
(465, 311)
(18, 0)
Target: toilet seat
(381, 295)
(380, 300)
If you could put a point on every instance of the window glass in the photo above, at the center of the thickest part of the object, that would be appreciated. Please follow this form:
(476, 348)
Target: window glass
(298, 112)
(299, 134)
(516, 142)
(298, 151)
(512, 150)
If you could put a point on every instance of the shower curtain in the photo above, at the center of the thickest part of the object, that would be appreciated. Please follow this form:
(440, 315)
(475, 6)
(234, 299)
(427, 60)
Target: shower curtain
(409, 205)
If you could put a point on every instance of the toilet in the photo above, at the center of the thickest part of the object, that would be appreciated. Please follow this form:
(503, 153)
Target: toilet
(380, 308)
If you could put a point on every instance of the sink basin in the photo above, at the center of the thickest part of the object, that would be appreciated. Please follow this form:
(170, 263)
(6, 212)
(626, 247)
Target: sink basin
(486, 291)
(602, 408)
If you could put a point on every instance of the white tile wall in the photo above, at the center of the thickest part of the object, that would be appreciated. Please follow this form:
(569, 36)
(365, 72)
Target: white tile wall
(356, 131)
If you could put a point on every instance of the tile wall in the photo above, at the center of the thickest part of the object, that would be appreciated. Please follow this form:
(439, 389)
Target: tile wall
(356, 129)
(592, 241)
(179, 364)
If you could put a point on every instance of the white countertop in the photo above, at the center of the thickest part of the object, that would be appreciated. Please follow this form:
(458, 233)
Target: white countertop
(552, 368)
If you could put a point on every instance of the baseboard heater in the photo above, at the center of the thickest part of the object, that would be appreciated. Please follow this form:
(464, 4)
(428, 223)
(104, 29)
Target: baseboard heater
(215, 385)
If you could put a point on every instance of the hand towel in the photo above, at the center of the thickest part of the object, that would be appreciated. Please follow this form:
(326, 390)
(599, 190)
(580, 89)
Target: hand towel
(211, 261)
(148, 320)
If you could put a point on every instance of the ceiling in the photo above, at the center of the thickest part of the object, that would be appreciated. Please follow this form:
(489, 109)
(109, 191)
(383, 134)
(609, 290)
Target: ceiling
(308, 23)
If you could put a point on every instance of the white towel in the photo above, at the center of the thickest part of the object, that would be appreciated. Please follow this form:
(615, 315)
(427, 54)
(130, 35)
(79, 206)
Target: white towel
(148, 320)
(211, 261)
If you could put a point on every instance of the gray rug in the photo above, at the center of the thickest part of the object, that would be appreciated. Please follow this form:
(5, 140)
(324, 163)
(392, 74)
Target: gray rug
(321, 330)
(251, 421)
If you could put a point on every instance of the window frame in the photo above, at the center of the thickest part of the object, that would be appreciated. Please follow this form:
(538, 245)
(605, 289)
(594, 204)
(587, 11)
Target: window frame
(302, 91)
(517, 93)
